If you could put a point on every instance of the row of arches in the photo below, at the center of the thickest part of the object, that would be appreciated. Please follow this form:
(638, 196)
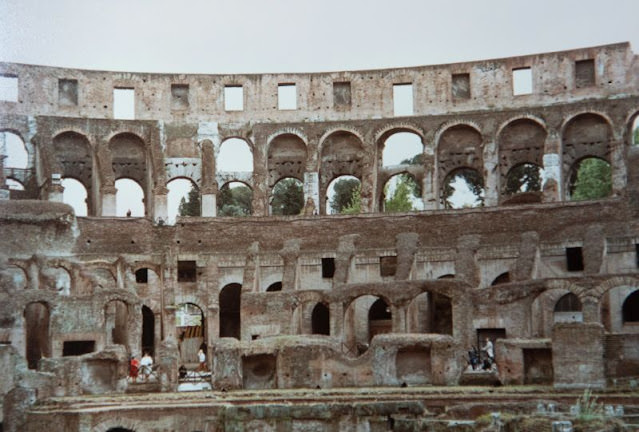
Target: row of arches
(454, 172)
(364, 316)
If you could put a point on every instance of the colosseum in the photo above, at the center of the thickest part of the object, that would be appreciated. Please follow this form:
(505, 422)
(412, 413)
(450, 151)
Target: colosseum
(366, 320)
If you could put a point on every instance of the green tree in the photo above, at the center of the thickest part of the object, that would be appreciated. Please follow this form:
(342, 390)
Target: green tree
(344, 190)
(235, 201)
(355, 204)
(636, 136)
(592, 180)
(474, 181)
(400, 201)
(191, 206)
(288, 197)
(523, 178)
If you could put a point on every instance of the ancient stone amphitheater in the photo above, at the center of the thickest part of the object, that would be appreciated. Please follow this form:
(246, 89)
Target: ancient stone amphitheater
(320, 321)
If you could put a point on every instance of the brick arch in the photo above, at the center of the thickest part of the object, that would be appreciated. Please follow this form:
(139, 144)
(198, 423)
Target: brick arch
(287, 156)
(613, 282)
(578, 290)
(570, 117)
(247, 140)
(392, 128)
(343, 128)
(133, 425)
(286, 131)
(454, 123)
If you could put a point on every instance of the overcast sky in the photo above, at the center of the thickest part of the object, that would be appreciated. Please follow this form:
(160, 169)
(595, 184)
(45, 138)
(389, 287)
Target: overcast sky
(253, 36)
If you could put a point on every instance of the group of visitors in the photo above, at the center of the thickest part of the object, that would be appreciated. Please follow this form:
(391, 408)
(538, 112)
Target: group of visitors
(483, 359)
(142, 367)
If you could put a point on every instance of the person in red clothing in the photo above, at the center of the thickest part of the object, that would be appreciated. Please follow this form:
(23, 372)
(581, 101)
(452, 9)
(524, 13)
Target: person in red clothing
(134, 368)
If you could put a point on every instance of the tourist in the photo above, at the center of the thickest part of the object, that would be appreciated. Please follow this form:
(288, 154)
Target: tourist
(202, 359)
(134, 368)
(146, 365)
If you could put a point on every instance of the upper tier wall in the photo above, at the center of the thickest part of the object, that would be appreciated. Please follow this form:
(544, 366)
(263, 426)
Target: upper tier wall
(566, 76)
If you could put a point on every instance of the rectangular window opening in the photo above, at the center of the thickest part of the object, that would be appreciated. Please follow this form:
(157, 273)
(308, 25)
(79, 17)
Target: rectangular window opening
(584, 73)
(179, 96)
(574, 259)
(68, 92)
(342, 94)
(286, 96)
(233, 98)
(142, 276)
(77, 348)
(8, 88)
(637, 255)
(402, 99)
(460, 86)
(387, 265)
(123, 103)
(187, 271)
(522, 81)
(328, 267)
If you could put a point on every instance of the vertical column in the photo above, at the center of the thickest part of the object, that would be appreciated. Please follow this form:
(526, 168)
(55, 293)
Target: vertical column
(210, 138)
(429, 182)
(4, 190)
(160, 205)
(337, 320)
(55, 190)
(552, 182)
(311, 189)
(491, 173)
(618, 165)
(108, 200)
(399, 318)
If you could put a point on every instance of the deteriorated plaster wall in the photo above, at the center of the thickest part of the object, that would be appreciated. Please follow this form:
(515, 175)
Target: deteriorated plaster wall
(82, 270)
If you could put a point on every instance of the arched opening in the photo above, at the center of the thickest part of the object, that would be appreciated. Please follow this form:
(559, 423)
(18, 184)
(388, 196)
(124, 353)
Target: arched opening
(463, 188)
(129, 198)
(321, 320)
(379, 318)
(75, 194)
(36, 316)
(235, 156)
(117, 318)
(286, 158)
(344, 195)
(525, 177)
(275, 286)
(402, 193)
(14, 184)
(342, 154)
(183, 199)
(74, 160)
(590, 178)
(501, 279)
(15, 150)
(235, 199)
(230, 306)
(148, 330)
(356, 329)
(568, 309)
(568, 303)
(630, 308)
(189, 323)
(287, 197)
(402, 148)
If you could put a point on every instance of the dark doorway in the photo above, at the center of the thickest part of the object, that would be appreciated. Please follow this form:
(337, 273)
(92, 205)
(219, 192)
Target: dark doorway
(148, 330)
(491, 333)
(36, 316)
(276, 286)
(117, 317)
(230, 303)
(320, 320)
(379, 319)
(77, 348)
(442, 314)
(630, 308)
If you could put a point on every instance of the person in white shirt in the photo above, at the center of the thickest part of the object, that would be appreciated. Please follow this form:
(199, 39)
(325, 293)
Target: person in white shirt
(202, 359)
(146, 365)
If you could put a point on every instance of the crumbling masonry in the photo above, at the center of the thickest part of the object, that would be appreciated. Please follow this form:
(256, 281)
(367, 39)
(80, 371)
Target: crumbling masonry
(317, 300)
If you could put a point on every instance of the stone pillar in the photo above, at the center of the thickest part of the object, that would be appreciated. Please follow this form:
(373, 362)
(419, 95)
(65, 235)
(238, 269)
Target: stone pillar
(578, 355)
(209, 188)
(398, 313)
(209, 201)
(108, 200)
(4, 190)
(55, 190)
(429, 183)
(491, 174)
(311, 188)
(160, 208)
(290, 253)
(619, 169)
(337, 320)
(552, 181)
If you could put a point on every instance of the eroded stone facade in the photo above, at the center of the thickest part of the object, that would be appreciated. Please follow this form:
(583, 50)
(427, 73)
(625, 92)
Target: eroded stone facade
(318, 300)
